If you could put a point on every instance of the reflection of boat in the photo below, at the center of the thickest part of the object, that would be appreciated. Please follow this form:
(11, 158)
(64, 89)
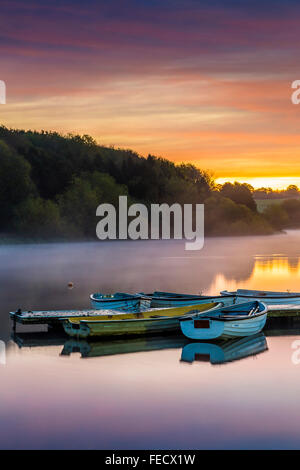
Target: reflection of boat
(170, 299)
(97, 348)
(243, 319)
(157, 321)
(116, 346)
(226, 351)
(268, 297)
(119, 301)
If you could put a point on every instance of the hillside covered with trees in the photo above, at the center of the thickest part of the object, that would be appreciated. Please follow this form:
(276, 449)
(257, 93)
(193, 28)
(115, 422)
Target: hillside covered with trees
(51, 185)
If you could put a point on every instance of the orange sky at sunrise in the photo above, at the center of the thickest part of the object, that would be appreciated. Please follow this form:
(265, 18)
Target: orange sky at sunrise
(206, 85)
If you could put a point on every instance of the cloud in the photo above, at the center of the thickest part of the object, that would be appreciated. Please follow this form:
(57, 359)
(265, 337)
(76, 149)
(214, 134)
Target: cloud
(208, 83)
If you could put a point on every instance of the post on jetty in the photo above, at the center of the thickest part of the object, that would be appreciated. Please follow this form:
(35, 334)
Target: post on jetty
(18, 312)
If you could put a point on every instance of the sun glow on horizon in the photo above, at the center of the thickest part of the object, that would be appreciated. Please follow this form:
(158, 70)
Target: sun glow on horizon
(274, 182)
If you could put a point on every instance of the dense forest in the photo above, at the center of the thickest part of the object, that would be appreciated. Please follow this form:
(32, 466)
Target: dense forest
(51, 185)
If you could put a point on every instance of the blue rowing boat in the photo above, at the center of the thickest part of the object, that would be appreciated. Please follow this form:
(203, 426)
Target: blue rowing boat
(171, 299)
(118, 301)
(238, 320)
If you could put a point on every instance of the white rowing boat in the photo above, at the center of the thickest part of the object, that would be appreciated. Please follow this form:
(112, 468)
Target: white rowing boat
(268, 297)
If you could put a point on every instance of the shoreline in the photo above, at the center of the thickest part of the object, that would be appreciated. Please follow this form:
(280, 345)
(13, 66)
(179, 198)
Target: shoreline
(13, 240)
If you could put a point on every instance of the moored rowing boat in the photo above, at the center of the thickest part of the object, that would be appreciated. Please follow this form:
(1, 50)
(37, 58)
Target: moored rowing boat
(170, 299)
(268, 297)
(117, 301)
(238, 320)
(151, 322)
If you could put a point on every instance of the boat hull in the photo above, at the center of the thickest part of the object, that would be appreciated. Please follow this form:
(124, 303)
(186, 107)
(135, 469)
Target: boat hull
(227, 329)
(269, 300)
(123, 305)
(147, 323)
(125, 327)
(268, 297)
(117, 301)
(176, 302)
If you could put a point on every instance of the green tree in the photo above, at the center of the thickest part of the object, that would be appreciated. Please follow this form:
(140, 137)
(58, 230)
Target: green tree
(38, 218)
(79, 202)
(276, 216)
(53, 183)
(292, 208)
(292, 191)
(15, 183)
(239, 193)
(224, 217)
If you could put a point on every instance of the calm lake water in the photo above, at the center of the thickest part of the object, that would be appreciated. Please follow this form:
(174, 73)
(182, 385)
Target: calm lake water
(147, 393)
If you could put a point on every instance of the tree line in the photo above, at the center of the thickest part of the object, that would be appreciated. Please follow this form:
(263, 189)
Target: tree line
(51, 185)
(291, 192)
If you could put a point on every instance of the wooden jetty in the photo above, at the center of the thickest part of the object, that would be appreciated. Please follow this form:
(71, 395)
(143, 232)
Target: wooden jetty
(284, 311)
(56, 317)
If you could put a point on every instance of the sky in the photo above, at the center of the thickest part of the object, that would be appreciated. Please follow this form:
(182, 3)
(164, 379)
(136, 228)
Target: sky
(206, 82)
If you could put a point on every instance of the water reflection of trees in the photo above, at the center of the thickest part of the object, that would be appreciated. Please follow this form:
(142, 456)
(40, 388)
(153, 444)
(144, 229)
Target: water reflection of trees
(260, 268)
(278, 264)
(293, 264)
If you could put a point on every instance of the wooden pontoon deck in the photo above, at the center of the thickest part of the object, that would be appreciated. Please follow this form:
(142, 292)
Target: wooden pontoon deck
(50, 317)
(56, 317)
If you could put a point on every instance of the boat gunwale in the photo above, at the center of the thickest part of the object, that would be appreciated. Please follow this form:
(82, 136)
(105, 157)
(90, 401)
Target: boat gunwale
(184, 299)
(235, 317)
(283, 295)
(191, 314)
(232, 317)
(112, 299)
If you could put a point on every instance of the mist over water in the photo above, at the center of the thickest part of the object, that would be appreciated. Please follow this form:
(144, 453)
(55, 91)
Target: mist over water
(49, 400)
